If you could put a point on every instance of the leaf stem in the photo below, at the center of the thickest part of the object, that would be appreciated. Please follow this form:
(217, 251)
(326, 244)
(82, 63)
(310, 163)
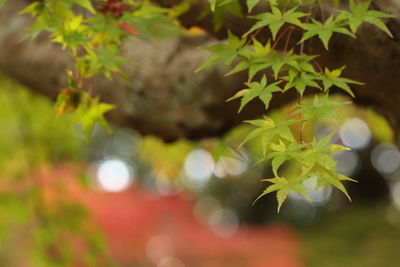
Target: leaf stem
(322, 12)
(281, 35)
(318, 66)
(299, 101)
(253, 36)
(287, 39)
(77, 73)
(300, 96)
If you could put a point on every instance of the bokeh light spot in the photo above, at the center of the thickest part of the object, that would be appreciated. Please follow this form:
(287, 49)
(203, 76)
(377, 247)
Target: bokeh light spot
(385, 158)
(224, 222)
(114, 175)
(229, 166)
(199, 166)
(354, 133)
(347, 162)
(395, 194)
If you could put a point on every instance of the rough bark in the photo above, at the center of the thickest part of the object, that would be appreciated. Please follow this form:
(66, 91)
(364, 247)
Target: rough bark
(163, 97)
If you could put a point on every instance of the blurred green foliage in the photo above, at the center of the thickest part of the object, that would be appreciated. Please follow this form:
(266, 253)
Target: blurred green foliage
(31, 134)
(363, 236)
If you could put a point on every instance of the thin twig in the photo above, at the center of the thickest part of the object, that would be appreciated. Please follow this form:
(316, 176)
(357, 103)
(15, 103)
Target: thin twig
(287, 39)
(253, 36)
(299, 101)
(281, 35)
(322, 12)
(318, 65)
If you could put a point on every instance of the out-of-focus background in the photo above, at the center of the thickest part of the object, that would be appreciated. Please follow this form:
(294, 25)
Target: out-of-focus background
(122, 199)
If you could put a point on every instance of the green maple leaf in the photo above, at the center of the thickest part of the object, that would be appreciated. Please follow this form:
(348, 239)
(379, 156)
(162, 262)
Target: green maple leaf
(267, 129)
(93, 112)
(326, 177)
(280, 185)
(265, 57)
(34, 9)
(220, 9)
(259, 57)
(318, 155)
(286, 59)
(72, 34)
(301, 80)
(101, 60)
(281, 196)
(332, 78)
(320, 107)
(255, 58)
(280, 153)
(251, 4)
(103, 30)
(303, 63)
(323, 31)
(242, 65)
(83, 3)
(260, 49)
(213, 4)
(225, 52)
(283, 187)
(276, 19)
(360, 13)
(257, 89)
(294, 65)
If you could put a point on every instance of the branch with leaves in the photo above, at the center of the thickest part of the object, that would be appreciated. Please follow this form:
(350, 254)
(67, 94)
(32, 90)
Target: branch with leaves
(94, 36)
(293, 69)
